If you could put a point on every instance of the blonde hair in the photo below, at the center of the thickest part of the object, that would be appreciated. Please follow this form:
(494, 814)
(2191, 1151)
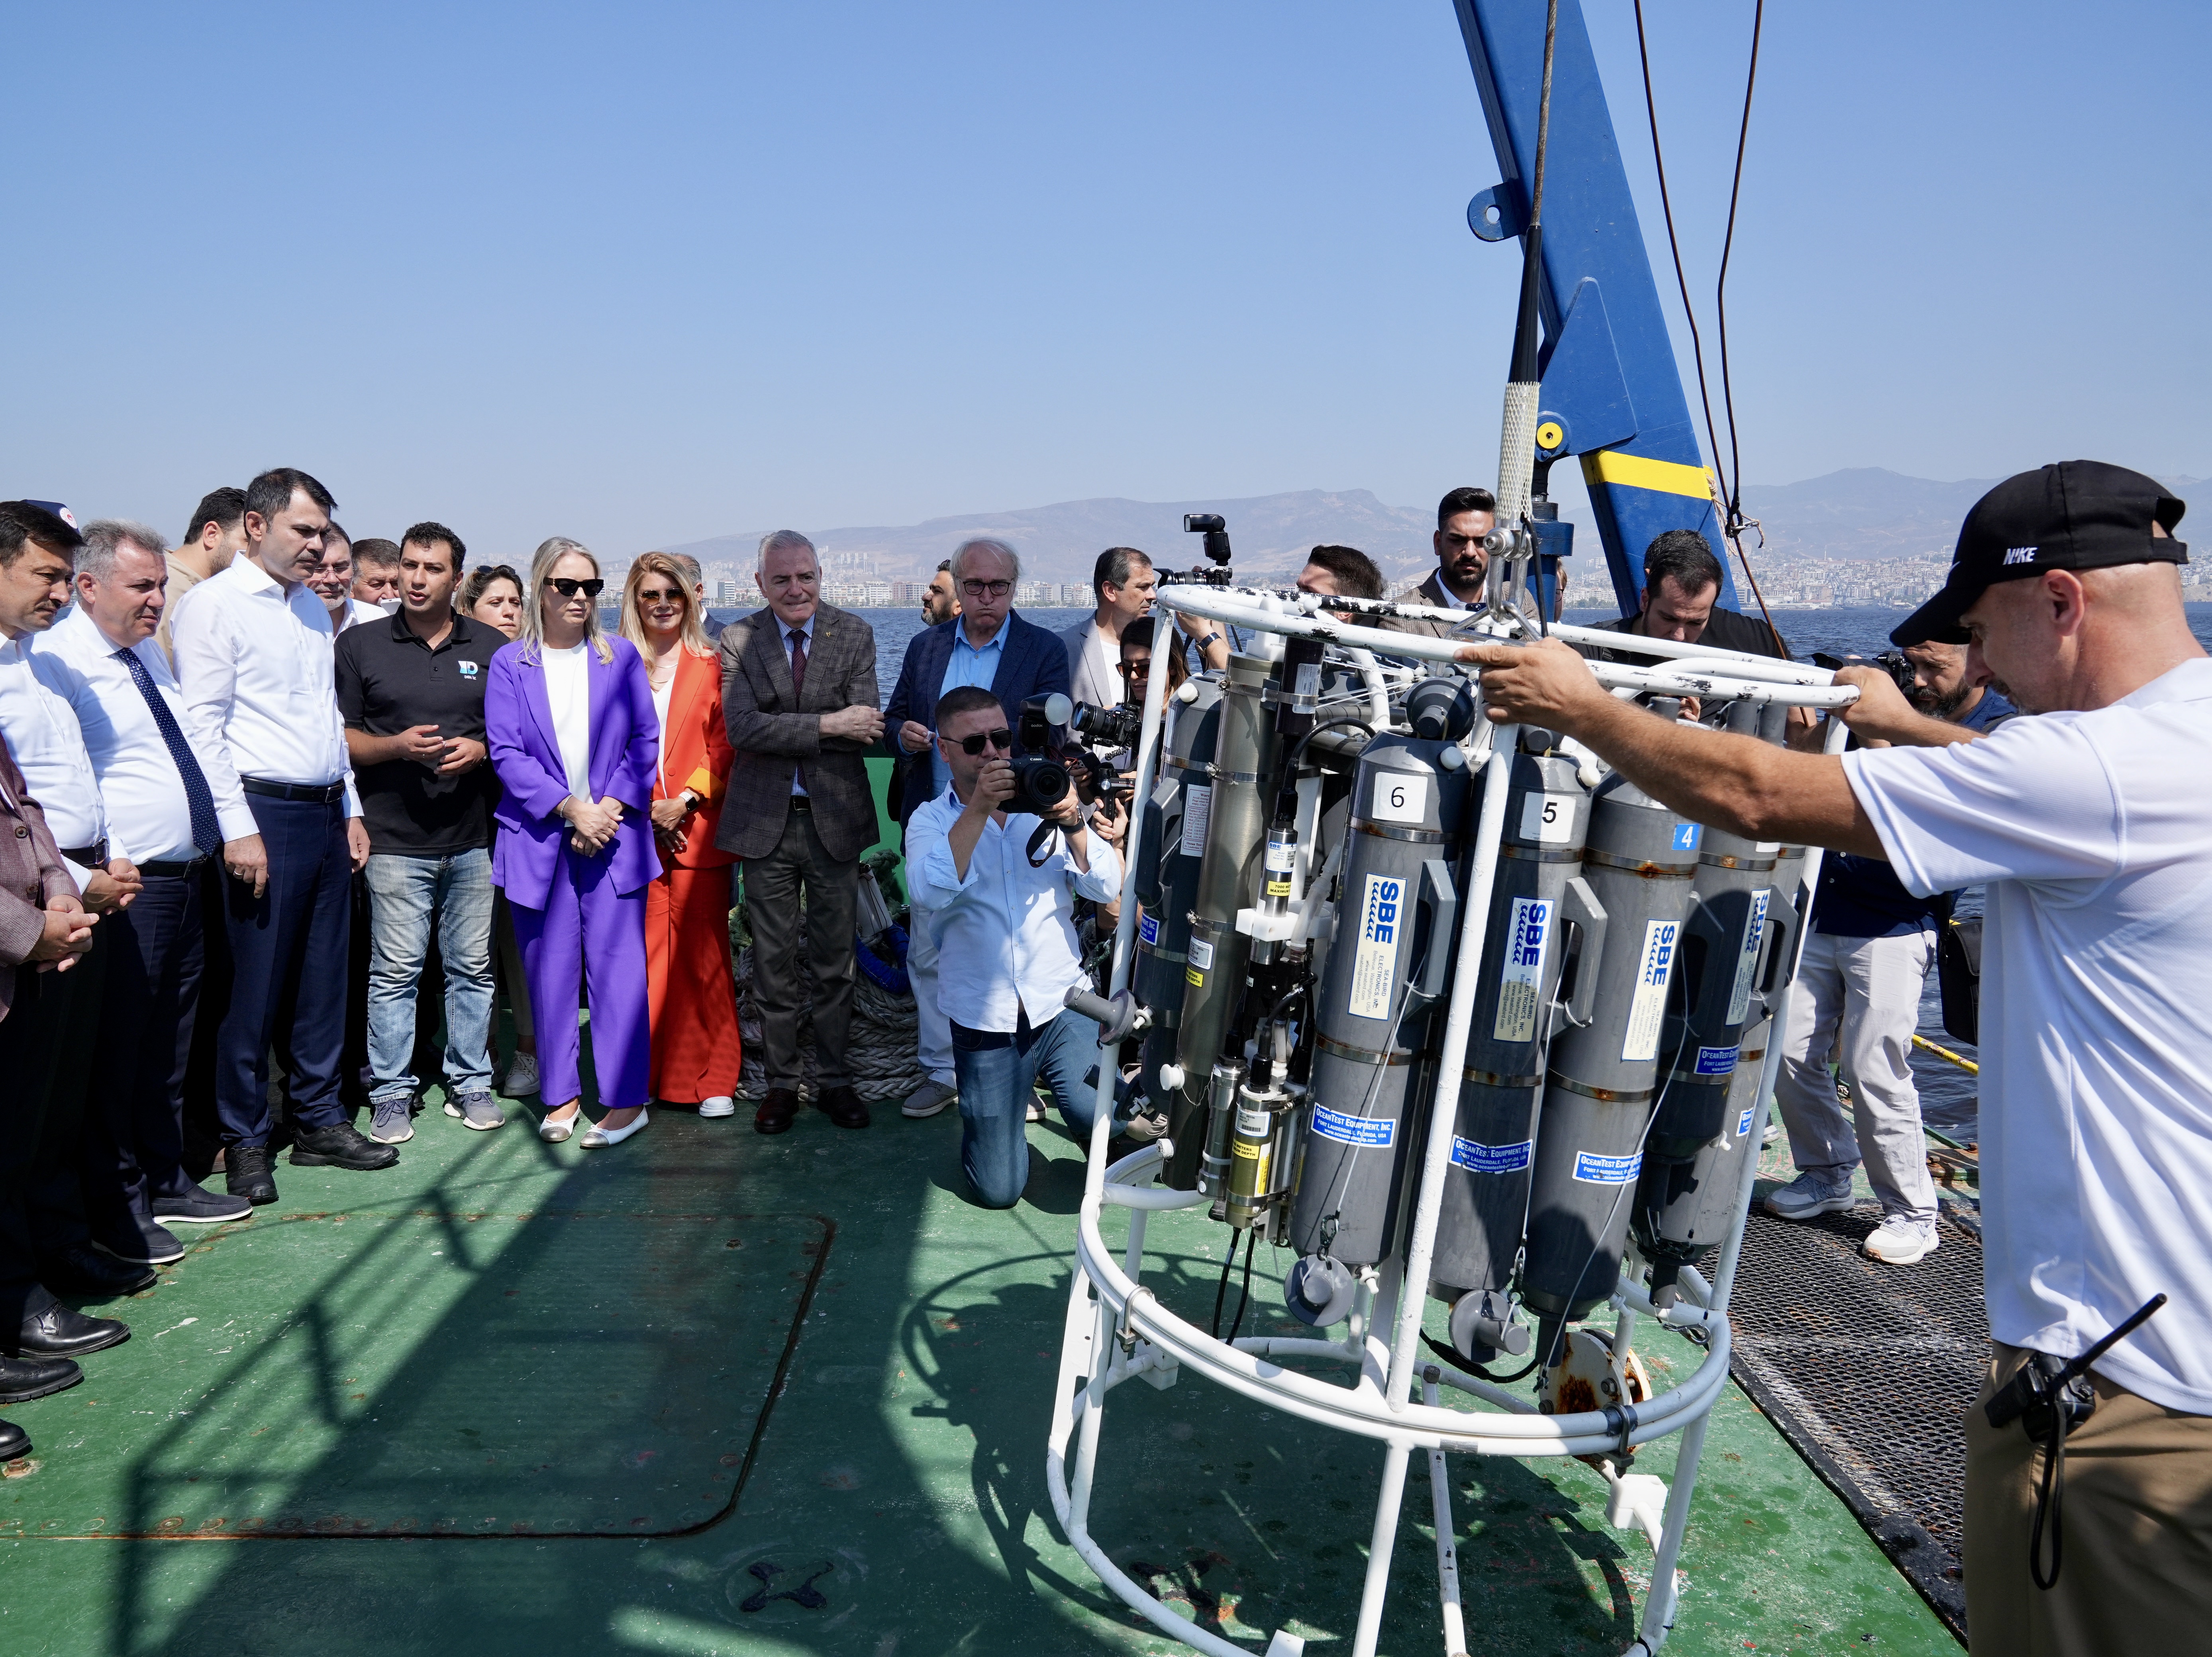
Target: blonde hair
(531, 634)
(633, 625)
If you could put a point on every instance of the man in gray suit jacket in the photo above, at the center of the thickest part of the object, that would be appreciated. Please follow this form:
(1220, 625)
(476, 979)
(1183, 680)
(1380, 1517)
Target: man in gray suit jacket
(1463, 518)
(799, 698)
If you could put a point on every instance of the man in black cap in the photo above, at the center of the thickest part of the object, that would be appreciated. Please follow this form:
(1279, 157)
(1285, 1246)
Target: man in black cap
(2092, 827)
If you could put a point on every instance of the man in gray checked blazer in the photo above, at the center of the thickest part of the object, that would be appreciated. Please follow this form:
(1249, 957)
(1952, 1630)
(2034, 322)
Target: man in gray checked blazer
(799, 698)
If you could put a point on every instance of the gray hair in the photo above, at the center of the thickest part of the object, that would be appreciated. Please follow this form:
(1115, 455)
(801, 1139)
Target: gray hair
(785, 541)
(104, 537)
(532, 634)
(691, 567)
(958, 562)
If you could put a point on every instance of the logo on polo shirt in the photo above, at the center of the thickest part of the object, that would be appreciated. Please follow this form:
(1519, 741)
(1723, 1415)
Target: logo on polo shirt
(468, 669)
(2020, 554)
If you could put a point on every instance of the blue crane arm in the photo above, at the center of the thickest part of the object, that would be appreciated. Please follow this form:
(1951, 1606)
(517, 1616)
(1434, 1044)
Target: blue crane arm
(1612, 391)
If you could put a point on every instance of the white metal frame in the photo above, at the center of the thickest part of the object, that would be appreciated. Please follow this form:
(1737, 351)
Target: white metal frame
(1117, 1329)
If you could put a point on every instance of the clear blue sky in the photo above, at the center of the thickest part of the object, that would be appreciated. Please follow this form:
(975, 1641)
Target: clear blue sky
(647, 273)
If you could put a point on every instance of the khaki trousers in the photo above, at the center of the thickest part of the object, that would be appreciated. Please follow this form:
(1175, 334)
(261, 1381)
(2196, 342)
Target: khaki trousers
(2136, 1574)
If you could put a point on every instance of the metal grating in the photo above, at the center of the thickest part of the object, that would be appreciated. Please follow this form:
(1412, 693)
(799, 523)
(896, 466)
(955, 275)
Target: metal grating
(1868, 1370)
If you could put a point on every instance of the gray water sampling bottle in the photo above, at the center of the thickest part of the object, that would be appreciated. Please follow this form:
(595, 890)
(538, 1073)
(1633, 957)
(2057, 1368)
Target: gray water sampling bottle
(1168, 886)
(1389, 963)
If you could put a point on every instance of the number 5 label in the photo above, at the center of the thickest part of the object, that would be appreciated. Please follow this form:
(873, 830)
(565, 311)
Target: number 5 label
(1398, 798)
(1547, 818)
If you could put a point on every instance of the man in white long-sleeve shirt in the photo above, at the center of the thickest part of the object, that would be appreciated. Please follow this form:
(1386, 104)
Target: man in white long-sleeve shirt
(1000, 890)
(254, 656)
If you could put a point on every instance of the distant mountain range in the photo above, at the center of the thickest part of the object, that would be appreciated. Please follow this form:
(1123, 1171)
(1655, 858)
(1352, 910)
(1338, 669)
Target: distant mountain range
(1862, 513)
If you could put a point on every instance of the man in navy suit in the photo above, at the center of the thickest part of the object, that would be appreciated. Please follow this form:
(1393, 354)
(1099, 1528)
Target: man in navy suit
(986, 645)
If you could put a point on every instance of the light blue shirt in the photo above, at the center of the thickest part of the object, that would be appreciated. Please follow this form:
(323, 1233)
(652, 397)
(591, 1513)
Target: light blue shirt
(966, 665)
(1010, 926)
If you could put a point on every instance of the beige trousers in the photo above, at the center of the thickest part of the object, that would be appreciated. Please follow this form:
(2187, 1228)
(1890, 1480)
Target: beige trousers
(2135, 1577)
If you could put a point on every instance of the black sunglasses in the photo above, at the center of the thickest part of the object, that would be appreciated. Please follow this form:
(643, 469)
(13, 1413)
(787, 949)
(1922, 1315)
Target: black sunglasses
(568, 586)
(1002, 739)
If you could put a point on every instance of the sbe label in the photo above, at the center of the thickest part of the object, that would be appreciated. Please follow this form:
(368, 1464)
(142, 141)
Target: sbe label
(1375, 961)
(1647, 1010)
(1528, 931)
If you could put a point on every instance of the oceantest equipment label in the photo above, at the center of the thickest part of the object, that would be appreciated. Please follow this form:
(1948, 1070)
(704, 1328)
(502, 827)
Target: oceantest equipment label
(1148, 929)
(1352, 1130)
(1716, 1061)
(1647, 1009)
(1528, 930)
(1375, 959)
(1490, 1159)
(1743, 1122)
(1197, 812)
(1593, 1169)
(1747, 960)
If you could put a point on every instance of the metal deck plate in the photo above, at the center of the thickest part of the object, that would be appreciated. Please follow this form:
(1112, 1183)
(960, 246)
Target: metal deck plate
(548, 1374)
(1867, 1370)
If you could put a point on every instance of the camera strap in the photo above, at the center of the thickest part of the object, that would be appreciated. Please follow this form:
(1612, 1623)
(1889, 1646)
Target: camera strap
(1042, 837)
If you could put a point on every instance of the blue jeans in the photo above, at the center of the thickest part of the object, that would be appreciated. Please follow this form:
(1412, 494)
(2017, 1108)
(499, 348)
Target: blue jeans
(404, 892)
(997, 1070)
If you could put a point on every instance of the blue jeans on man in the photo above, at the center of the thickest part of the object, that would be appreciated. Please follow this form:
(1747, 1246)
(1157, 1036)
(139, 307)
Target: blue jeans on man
(405, 893)
(998, 1070)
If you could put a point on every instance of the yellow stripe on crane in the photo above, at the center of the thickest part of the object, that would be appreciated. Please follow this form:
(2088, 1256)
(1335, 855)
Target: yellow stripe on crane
(1666, 477)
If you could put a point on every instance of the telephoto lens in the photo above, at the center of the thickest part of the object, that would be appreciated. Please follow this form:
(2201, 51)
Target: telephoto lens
(1110, 727)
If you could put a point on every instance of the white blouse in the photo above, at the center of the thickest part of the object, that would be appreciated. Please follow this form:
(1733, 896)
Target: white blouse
(568, 692)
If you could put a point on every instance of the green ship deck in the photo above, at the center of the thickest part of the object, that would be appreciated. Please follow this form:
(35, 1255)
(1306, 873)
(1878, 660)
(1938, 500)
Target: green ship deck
(710, 1392)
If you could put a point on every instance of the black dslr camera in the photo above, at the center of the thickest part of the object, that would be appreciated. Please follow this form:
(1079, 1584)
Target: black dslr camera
(1041, 780)
(1891, 662)
(1211, 526)
(1110, 727)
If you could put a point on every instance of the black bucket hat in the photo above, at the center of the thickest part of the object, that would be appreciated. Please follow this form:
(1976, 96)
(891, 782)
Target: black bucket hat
(2076, 514)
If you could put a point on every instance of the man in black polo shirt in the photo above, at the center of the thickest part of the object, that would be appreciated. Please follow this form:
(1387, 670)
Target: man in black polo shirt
(411, 691)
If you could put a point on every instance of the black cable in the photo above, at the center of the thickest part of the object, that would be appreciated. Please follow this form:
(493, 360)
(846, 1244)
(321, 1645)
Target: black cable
(1244, 1294)
(1221, 1289)
(1544, 113)
(1298, 753)
(1459, 1361)
(2048, 1501)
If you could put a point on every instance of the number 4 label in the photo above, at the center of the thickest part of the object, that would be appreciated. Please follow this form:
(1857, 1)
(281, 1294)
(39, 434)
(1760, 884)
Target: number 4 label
(1547, 818)
(1398, 798)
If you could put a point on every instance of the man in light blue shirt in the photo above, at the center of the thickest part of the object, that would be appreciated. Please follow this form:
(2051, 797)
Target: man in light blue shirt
(1002, 902)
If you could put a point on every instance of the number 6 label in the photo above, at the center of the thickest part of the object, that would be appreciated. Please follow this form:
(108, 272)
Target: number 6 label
(1546, 818)
(1398, 798)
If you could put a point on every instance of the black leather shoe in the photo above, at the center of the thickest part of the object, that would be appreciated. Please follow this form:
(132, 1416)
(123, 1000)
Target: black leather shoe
(59, 1332)
(196, 1206)
(776, 1111)
(339, 1146)
(246, 1174)
(843, 1105)
(29, 1378)
(14, 1442)
(81, 1268)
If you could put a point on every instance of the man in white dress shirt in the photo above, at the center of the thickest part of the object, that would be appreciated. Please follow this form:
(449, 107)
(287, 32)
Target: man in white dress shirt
(162, 817)
(1124, 582)
(44, 1120)
(999, 888)
(254, 656)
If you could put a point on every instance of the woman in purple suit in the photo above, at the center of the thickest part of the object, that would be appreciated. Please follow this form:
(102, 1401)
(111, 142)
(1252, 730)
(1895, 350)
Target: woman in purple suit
(570, 722)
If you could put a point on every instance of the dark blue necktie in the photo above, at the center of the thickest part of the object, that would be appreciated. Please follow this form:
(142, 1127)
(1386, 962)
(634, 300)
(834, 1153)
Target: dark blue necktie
(207, 836)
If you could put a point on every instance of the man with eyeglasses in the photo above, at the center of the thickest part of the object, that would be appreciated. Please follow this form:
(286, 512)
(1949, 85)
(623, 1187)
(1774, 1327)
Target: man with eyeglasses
(989, 646)
(1001, 889)
(798, 701)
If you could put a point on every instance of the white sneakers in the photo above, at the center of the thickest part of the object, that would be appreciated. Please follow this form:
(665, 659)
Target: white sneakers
(521, 1076)
(1899, 1241)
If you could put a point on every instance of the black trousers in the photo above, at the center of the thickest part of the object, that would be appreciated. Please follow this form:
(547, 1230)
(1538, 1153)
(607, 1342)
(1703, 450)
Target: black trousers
(132, 1150)
(288, 972)
(34, 1038)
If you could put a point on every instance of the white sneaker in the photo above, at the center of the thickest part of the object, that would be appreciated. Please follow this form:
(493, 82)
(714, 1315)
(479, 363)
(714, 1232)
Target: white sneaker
(1037, 1110)
(1810, 1193)
(1899, 1239)
(521, 1076)
(721, 1105)
(928, 1099)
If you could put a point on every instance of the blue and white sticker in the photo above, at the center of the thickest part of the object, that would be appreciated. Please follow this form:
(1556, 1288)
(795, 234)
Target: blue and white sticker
(1490, 1159)
(1647, 1008)
(1747, 960)
(1717, 1061)
(1352, 1130)
(1374, 958)
(1528, 930)
(1686, 835)
(1593, 1169)
(1743, 1122)
(1148, 929)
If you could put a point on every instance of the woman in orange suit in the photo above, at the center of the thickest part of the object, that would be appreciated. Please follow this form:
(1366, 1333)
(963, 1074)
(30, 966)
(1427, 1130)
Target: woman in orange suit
(692, 997)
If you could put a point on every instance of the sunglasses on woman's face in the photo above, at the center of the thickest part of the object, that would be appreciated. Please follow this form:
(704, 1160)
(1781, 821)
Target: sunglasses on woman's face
(660, 595)
(1002, 739)
(568, 586)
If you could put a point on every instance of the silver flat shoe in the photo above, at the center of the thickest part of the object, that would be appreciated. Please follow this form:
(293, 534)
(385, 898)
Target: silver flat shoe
(554, 1133)
(598, 1138)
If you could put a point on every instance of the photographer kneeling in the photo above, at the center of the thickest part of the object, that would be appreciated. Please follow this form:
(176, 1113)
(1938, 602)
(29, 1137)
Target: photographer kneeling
(1001, 888)
(2092, 826)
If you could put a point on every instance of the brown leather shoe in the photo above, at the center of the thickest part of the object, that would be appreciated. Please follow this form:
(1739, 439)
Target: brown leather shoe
(843, 1105)
(776, 1111)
